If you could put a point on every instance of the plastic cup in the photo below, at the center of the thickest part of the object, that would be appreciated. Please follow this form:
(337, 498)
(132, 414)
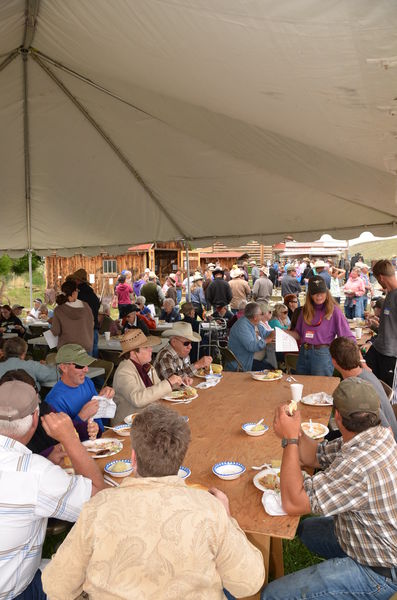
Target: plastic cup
(156, 320)
(296, 391)
(358, 332)
(107, 335)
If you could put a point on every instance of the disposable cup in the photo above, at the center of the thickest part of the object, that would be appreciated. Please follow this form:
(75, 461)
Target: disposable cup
(156, 320)
(107, 335)
(296, 391)
(358, 332)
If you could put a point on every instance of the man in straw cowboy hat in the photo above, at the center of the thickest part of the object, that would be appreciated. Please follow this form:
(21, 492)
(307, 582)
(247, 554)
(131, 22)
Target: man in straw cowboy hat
(136, 383)
(174, 358)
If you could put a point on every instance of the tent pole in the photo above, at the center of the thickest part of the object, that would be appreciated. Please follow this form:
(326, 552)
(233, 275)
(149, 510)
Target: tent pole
(27, 167)
(30, 278)
(188, 270)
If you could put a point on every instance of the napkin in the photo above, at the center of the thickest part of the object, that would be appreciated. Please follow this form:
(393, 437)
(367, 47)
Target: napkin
(208, 384)
(272, 503)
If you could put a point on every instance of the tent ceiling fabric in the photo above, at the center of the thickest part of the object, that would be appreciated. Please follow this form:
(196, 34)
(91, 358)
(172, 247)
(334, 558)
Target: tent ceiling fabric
(241, 120)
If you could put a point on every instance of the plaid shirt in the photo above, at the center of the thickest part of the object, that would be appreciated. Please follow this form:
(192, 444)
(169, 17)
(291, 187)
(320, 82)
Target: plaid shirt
(358, 486)
(168, 363)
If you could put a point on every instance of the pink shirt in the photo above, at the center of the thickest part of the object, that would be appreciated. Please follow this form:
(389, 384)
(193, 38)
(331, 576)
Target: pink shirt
(123, 291)
(355, 285)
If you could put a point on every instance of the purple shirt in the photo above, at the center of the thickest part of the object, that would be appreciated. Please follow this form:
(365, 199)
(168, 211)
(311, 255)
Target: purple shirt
(323, 331)
(137, 286)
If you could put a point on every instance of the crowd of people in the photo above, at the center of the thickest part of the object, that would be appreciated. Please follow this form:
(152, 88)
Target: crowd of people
(184, 540)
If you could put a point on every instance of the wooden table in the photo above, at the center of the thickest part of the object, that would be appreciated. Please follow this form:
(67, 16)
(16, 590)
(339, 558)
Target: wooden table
(215, 420)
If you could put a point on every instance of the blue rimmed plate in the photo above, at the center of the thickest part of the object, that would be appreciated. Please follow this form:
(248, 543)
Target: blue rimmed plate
(247, 427)
(123, 430)
(228, 470)
(184, 472)
(122, 463)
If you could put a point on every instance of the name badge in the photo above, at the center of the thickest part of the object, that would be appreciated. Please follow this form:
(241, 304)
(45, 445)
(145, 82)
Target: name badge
(309, 335)
(386, 311)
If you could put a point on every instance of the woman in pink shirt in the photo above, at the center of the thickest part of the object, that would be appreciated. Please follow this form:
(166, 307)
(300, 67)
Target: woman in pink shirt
(125, 294)
(354, 291)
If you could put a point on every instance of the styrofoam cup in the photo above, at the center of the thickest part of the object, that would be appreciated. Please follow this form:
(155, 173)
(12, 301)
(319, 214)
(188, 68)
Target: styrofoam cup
(107, 335)
(358, 332)
(296, 391)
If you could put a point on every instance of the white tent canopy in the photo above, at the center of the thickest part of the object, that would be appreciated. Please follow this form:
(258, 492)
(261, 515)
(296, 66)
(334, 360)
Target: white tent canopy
(137, 120)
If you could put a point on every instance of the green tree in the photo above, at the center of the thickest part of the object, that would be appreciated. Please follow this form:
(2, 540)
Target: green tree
(5, 265)
(21, 265)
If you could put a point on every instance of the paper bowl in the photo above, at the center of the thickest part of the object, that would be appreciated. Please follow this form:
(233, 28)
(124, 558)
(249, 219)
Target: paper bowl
(247, 428)
(184, 472)
(123, 430)
(125, 461)
(129, 418)
(228, 470)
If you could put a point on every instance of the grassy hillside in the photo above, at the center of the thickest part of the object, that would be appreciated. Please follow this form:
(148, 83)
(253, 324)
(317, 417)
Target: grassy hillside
(375, 250)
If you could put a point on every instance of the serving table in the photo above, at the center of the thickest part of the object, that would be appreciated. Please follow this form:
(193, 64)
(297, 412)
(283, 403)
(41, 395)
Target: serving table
(215, 420)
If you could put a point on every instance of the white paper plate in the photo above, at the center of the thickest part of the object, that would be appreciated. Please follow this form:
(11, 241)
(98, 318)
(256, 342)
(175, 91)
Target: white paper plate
(91, 445)
(313, 399)
(261, 376)
(320, 430)
(261, 474)
(123, 430)
(184, 400)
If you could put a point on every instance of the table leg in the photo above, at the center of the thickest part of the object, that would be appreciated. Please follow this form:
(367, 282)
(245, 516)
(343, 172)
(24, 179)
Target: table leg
(263, 543)
(276, 562)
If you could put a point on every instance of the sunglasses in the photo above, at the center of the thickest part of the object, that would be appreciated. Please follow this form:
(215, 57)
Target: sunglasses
(78, 366)
(185, 343)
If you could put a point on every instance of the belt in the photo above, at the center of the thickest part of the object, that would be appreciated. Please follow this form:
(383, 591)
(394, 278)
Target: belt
(309, 346)
(383, 571)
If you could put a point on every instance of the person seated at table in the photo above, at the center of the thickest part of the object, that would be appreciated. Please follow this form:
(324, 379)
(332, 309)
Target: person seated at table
(291, 302)
(9, 323)
(189, 316)
(373, 319)
(221, 312)
(15, 350)
(17, 310)
(280, 317)
(354, 291)
(174, 358)
(45, 314)
(168, 522)
(169, 312)
(347, 359)
(136, 383)
(105, 321)
(133, 321)
(141, 304)
(355, 496)
(238, 314)
(41, 442)
(248, 336)
(33, 488)
(72, 322)
(34, 312)
(73, 393)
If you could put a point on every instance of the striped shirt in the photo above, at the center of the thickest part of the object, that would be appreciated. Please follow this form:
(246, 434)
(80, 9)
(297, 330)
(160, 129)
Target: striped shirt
(358, 486)
(31, 489)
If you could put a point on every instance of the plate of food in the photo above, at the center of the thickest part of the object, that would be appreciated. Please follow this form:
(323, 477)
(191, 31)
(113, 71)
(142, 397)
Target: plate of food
(184, 395)
(269, 479)
(119, 468)
(254, 429)
(103, 447)
(314, 430)
(266, 375)
(318, 399)
(216, 371)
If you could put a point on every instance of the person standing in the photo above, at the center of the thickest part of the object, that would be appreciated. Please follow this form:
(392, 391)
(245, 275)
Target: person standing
(289, 283)
(354, 291)
(73, 322)
(381, 357)
(254, 271)
(87, 294)
(263, 287)
(125, 295)
(219, 290)
(153, 292)
(240, 289)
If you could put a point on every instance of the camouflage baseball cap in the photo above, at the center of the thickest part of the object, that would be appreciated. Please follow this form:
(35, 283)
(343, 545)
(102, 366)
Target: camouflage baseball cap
(73, 353)
(356, 395)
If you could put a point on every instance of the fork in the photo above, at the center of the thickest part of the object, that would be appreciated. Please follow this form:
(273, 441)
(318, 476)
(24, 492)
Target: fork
(290, 378)
(259, 467)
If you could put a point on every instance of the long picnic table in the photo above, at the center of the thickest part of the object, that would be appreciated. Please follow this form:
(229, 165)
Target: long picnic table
(215, 420)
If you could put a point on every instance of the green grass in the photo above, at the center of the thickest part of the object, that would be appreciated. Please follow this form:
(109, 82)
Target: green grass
(297, 556)
(375, 250)
(17, 289)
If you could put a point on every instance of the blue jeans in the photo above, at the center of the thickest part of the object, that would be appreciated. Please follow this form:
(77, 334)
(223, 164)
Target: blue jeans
(318, 535)
(337, 578)
(34, 591)
(95, 345)
(354, 308)
(178, 295)
(314, 361)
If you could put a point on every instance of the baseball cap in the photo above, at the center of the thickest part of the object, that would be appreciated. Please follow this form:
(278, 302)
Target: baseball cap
(38, 300)
(316, 285)
(73, 353)
(356, 395)
(14, 306)
(17, 400)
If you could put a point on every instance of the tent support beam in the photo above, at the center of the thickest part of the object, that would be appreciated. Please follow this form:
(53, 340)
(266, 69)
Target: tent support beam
(32, 10)
(100, 88)
(188, 296)
(9, 59)
(110, 143)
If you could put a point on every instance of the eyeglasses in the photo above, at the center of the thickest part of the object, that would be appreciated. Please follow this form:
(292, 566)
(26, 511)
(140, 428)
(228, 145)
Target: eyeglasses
(284, 312)
(187, 343)
(78, 366)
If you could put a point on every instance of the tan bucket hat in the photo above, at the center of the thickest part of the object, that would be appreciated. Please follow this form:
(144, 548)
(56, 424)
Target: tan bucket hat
(181, 329)
(135, 338)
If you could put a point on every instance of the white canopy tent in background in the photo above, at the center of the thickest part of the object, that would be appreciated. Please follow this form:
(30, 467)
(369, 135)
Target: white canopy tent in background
(139, 120)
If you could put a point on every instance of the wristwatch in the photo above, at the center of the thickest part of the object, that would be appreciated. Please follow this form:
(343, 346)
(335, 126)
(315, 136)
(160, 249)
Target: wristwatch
(286, 441)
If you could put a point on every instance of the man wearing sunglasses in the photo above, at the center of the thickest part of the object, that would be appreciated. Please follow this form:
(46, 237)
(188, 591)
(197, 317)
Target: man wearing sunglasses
(74, 391)
(174, 358)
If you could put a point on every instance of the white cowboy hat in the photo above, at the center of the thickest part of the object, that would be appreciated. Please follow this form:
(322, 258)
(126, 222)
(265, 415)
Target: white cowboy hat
(198, 277)
(181, 329)
(319, 264)
(234, 273)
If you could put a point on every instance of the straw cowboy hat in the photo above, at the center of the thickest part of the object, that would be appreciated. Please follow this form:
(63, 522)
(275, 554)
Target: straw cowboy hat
(319, 264)
(181, 329)
(80, 275)
(135, 338)
(234, 273)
